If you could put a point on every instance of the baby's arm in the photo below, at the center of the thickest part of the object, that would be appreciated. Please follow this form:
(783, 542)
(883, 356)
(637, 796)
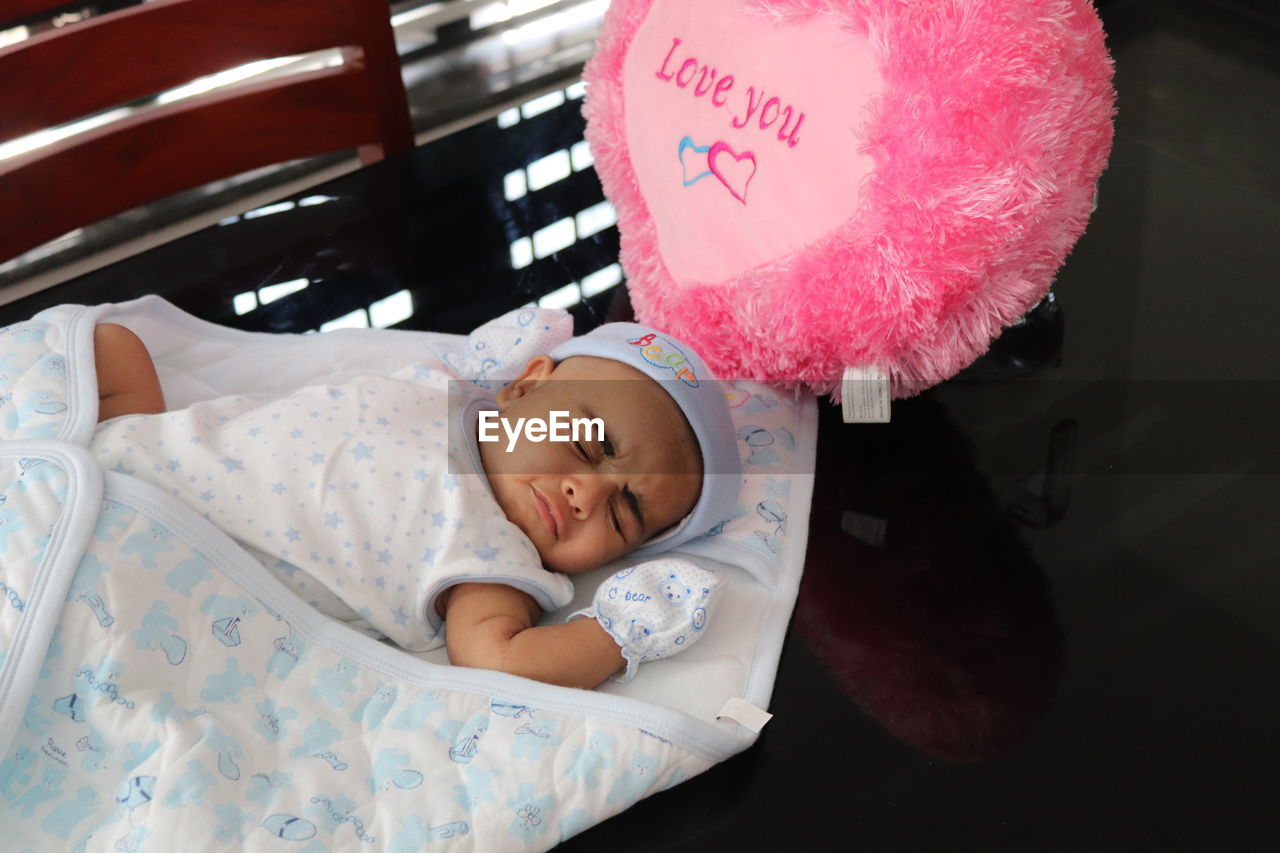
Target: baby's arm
(491, 626)
(127, 382)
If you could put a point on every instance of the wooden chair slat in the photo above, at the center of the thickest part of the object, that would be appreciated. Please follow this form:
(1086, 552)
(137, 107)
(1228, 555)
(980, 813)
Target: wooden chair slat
(150, 156)
(129, 55)
(64, 74)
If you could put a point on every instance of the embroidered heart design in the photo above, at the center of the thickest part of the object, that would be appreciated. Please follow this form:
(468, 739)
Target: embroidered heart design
(775, 133)
(735, 171)
(699, 168)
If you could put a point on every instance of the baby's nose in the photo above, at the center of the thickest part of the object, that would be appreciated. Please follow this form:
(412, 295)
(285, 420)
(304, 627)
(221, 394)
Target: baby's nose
(585, 494)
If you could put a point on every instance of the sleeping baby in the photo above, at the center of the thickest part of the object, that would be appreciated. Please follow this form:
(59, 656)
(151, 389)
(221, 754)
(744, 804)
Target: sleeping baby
(397, 504)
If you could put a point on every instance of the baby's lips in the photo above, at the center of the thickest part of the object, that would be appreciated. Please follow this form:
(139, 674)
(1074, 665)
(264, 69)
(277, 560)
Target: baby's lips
(547, 513)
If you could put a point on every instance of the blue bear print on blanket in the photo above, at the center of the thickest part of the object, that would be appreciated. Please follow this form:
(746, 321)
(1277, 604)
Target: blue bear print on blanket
(9, 370)
(592, 759)
(32, 719)
(263, 786)
(475, 787)
(64, 818)
(232, 820)
(226, 686)
(333, 681)
(111, 521)
(189, 788)
(84, 588)
(574, 822)
(414, 835)
(315, 744)
(227, 749)
(48, 788)
(533, 737)
(289, 651)
(633, 782)
(677, 776)
(373, 710)
(532, 815)
(272, 719)
(167, 708)
(223, 606)
(30, 332)
(158, 632)
(188, 574)
(156, 541)
(418, 711)
(15, 772)
(391, 770)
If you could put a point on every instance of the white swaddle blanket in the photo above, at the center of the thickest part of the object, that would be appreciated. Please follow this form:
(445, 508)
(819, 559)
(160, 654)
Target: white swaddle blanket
(370, 490)
(158, 687)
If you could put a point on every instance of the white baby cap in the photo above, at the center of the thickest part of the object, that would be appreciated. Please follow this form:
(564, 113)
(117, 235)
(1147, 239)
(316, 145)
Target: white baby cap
(654, 609)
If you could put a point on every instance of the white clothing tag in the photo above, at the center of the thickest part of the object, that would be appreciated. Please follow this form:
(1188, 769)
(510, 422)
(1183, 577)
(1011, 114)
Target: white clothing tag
(865, 528)
(864, 395)
(744, 714)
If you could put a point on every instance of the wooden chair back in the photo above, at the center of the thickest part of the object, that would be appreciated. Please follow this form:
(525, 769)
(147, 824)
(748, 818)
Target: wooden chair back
(128, 56)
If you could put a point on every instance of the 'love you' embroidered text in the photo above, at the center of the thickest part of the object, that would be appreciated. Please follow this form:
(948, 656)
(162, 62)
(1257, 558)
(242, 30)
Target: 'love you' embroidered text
(744, 108)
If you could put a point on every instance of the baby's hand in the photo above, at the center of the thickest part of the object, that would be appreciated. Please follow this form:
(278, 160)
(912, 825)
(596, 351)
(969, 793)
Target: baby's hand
(654, 609)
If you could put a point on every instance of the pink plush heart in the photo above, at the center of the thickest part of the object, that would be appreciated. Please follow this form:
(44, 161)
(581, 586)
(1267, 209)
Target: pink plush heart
(917, 172)
(782, 135)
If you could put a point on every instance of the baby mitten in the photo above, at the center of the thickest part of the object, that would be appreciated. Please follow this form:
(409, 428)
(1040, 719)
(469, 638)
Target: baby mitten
(495, 353)
(654, 609)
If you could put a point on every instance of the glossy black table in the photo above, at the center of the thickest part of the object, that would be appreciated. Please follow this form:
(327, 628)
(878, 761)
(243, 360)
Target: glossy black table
(1039, 608)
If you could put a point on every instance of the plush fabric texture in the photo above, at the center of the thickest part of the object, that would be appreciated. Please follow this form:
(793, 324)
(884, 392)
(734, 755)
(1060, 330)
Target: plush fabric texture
(990, 133)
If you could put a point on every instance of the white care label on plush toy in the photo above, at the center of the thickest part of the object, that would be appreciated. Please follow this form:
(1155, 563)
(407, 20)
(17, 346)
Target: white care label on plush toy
(864, 395)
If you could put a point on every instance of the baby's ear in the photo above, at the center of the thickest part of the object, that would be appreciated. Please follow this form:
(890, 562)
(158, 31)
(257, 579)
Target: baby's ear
(536, 371)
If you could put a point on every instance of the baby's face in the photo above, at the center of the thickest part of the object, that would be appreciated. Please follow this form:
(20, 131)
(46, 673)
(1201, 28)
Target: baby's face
(587, 502)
